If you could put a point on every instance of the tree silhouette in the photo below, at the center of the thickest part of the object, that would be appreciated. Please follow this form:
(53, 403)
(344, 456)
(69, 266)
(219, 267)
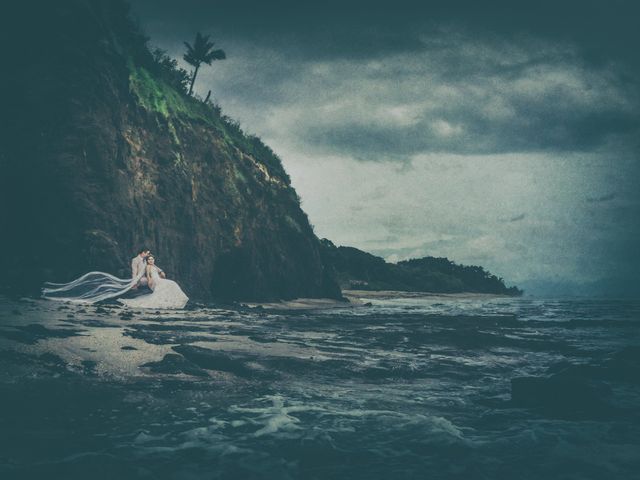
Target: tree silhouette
(201, 52)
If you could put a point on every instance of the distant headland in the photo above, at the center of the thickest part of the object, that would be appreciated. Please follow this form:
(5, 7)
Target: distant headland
(355, 269)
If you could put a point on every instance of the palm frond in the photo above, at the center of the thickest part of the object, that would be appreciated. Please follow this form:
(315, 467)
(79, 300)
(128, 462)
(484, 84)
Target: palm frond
(191, 56)
(214, 55)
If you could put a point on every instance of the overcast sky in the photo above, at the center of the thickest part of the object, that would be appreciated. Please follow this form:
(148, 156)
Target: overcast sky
(488, 133)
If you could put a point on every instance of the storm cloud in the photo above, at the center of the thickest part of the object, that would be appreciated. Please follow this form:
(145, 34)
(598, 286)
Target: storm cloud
(381, 84)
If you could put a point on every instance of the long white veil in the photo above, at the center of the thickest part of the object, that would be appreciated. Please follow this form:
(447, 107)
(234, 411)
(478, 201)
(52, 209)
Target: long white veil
(90, 288)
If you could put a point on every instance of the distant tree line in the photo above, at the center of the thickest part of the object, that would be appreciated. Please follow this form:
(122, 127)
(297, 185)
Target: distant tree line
(354, 268)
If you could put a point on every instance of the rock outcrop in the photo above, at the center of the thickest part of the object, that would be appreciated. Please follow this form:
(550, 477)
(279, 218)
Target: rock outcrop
(101, 154)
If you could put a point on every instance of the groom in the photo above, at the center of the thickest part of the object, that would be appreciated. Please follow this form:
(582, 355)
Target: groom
(138, 265)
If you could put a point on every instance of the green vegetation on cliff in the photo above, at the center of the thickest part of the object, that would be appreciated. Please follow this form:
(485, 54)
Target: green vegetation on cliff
(156, 93)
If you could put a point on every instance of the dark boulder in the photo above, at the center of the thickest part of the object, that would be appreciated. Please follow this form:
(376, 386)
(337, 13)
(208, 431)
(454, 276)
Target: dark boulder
(563, 396)
(594, 390)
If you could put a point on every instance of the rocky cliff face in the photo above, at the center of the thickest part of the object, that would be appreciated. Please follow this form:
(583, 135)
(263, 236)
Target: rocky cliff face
(99, 156)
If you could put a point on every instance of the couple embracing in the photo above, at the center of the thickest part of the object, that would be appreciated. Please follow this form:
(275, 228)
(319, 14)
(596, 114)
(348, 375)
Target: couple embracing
(155, 290)
(148, 287)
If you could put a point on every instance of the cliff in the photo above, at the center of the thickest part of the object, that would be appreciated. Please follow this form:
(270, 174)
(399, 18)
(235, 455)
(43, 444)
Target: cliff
(102, 154)
(360, 270)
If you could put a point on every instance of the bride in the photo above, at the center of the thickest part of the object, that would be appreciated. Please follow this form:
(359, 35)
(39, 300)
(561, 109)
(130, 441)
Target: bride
(94, 287)
(165, 293)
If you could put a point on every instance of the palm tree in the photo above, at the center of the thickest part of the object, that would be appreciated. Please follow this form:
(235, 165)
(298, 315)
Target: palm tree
(201, 52)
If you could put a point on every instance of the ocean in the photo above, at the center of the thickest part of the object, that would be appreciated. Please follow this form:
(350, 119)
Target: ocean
(398, 387)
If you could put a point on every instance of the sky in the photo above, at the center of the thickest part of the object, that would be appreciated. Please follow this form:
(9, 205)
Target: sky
(494, 133)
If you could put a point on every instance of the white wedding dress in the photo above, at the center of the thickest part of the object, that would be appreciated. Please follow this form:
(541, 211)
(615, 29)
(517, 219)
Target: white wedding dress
(95, 287)
(165, 294)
